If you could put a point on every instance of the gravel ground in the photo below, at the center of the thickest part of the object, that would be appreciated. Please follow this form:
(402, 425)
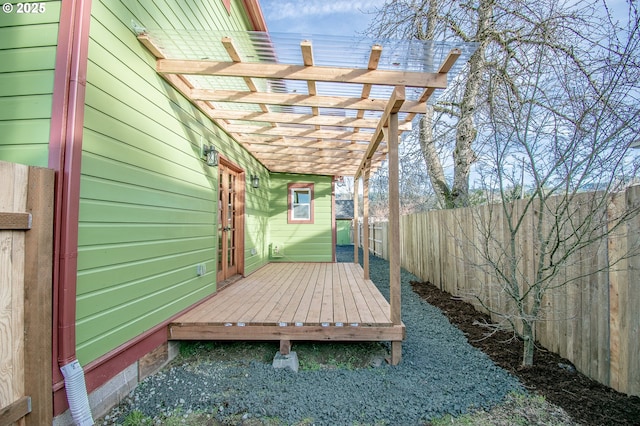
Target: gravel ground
(440, 374)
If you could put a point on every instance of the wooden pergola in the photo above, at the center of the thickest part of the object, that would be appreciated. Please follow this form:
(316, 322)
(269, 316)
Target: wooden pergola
(311, 132)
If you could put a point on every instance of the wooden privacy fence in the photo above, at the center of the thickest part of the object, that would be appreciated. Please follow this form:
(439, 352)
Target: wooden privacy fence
(378, 238)
(594, 321)
(26, 232)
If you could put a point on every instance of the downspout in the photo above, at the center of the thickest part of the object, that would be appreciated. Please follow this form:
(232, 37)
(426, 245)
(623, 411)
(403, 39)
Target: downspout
(334, 226)
(65, 153)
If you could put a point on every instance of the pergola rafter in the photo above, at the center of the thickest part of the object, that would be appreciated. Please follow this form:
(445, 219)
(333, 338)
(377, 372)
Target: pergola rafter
(300, 131)
(235, 57)
(302, 143)
(308, 119)
(303, 100)
(374, 60)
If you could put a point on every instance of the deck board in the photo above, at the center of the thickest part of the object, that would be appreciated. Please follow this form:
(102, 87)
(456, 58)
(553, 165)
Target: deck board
(305, 304)
(313, 312)
(350, 304)
(339, 310)
(326, 309)
(366, 316)
(280, 287)
(308, 301)
(378, 307)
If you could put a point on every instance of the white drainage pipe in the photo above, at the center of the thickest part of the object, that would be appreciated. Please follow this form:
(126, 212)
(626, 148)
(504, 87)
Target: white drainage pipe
(77, 394)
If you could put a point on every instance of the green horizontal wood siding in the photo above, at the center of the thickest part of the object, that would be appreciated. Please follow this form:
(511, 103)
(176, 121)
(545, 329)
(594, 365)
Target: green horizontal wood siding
(148, 203)
(256, 221)
(27, 62)
(306, 242)
(343, 231)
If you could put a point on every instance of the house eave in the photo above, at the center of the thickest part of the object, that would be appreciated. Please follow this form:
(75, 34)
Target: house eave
(254, 12)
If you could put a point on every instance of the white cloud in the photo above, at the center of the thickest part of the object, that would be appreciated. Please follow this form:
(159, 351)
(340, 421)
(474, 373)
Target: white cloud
(297, 9)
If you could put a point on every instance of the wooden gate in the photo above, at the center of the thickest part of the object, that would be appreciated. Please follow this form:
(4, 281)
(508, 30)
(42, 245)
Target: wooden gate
(26, 246)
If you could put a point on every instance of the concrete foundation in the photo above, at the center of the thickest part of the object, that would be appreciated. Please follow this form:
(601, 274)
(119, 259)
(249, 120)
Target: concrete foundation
(289, 361)
(107, 396)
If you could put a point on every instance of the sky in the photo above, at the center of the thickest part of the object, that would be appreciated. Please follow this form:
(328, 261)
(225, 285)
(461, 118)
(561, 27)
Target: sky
(329, 17)
(343, 17)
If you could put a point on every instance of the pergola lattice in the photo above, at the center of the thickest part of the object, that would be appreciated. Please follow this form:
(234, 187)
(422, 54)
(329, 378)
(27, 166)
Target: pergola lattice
(327, 116)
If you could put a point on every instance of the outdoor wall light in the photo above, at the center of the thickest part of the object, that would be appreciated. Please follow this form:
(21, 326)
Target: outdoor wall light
(210, 154)
(255, 181)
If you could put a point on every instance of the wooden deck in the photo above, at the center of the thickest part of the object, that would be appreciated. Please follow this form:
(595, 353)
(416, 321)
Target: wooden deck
(293, 301)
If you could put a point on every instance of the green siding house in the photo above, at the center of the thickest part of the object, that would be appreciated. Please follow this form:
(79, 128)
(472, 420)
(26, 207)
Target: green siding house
(140, 216)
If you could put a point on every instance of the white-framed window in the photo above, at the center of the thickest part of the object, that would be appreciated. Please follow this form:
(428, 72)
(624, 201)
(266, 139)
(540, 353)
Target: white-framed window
(300, 203)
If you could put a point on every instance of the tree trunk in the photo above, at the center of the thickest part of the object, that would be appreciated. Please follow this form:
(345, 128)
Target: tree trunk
(529, 341)
(463, 155)
(432, 160)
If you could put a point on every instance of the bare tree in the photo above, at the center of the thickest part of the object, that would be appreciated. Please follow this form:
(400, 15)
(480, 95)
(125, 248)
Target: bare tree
(547, 113)
(437, 19)
(502, 29)
(563, 131)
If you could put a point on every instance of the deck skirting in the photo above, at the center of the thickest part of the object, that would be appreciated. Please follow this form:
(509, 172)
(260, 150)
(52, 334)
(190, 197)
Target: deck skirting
(290, 332)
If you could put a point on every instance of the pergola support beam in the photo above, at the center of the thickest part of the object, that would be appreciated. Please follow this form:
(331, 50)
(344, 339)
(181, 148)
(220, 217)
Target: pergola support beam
(356, 219)
(365, 219)
(394, 219)
(389, 121)
(394, 234)
(393, 107)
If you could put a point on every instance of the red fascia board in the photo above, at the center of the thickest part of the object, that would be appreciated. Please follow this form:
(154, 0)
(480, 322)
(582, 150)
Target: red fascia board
(254, 12)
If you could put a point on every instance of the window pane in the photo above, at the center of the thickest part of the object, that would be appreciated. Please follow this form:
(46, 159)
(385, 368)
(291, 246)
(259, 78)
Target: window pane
(301, 211)
(301, 196)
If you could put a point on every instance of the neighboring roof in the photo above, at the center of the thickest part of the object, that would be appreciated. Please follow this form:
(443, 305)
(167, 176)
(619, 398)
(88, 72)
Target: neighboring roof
(344, 209)
(302, 106)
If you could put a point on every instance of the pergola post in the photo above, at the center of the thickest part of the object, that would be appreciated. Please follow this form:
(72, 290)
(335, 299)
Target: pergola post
(356, 231)
(365, 219)
(394, 234)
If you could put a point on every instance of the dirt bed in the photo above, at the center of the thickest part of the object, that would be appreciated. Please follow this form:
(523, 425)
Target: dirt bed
(552, 376)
